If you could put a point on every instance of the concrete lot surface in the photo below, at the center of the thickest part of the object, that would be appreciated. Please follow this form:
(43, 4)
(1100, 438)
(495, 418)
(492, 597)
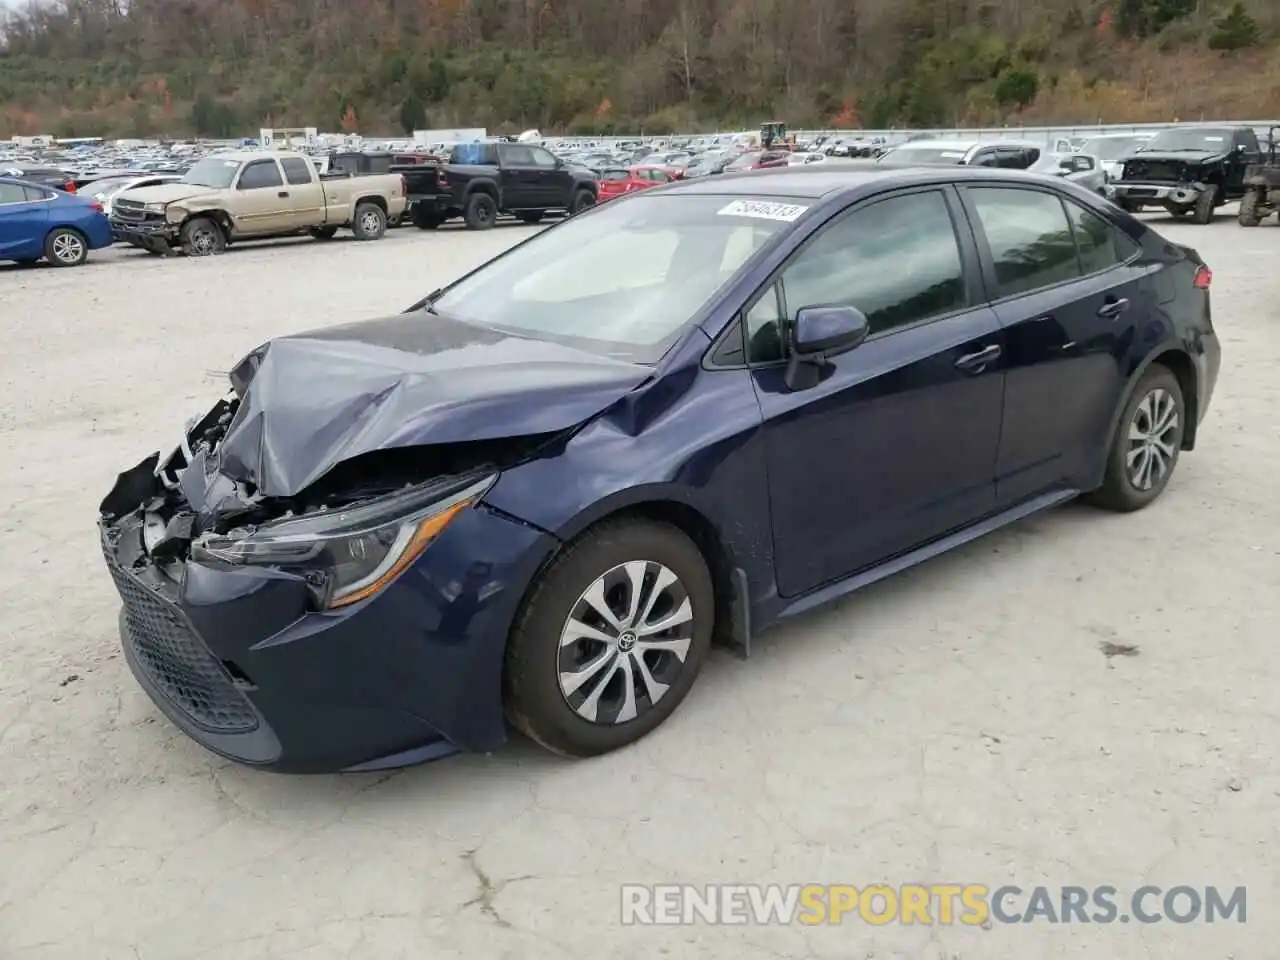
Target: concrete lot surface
(960, 723)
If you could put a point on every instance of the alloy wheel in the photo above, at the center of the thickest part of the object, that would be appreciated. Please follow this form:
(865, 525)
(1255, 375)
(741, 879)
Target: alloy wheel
(68, 248)
(204, 242)
(370, 223)
(1153, 440)
(625, 642)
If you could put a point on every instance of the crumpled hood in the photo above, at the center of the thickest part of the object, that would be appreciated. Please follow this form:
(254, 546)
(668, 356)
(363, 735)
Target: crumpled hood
(311, 401)
(165, 192)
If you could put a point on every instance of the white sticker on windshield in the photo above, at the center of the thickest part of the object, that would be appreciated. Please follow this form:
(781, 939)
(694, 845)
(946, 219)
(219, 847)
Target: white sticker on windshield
(952, 155)
(763, 210)
(1215, 139)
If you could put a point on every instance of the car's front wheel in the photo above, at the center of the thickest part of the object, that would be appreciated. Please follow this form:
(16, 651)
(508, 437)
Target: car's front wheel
(1145, 448)
(611, 638)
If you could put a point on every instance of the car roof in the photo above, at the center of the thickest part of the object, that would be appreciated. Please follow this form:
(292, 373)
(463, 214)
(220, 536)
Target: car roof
(821, 180)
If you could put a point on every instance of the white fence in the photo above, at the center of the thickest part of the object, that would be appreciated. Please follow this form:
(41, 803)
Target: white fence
(1046, 134)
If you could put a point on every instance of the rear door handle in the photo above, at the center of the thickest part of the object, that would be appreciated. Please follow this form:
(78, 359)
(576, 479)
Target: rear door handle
(1113, 308)
(977, 362)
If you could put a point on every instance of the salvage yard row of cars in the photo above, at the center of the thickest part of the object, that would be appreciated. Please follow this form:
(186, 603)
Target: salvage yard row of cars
(532, 500)
(201, 207)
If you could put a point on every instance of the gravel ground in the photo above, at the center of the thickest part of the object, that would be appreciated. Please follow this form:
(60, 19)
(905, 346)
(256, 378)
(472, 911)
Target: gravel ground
(958, 723)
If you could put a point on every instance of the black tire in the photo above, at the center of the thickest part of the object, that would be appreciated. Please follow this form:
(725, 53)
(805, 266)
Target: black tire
(481, 211)
(583, 199)
(534, 698)
(1119, 491)
(202, 237)
(1249, 215)
(1205, 204)
(323, 233)
(530, 216)
(425, 219)
(66, 247)
(369, 222)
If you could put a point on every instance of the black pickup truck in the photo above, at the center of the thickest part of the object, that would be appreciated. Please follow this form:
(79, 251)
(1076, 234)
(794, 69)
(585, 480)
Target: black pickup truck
(1187, 170)
(482, 180)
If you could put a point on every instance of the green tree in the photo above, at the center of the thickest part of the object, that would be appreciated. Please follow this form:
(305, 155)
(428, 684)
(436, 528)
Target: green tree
(1142, 18)
(1016, 86)
(413, 114)
(141, 121)
(213, 118)
(1235, 30)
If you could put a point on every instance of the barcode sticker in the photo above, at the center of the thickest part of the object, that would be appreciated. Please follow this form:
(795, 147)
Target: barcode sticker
(763, 210)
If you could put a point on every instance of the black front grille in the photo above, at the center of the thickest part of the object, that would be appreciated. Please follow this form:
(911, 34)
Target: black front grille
(128, 209)
(174, 659)
(1158, 171)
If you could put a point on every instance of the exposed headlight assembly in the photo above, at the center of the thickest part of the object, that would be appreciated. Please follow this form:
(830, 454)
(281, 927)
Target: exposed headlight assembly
(154, 207)
(349, 554)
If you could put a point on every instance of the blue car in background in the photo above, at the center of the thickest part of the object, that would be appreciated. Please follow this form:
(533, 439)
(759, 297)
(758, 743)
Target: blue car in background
(39, 222)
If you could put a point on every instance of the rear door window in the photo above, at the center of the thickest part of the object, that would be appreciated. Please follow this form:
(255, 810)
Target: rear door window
(12, 193)
(1100, 244)
(1029, 237)
(296, 170)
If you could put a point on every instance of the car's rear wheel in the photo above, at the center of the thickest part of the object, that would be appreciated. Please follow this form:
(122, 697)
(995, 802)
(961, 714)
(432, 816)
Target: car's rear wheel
(201, 237)
(481, 212)
(583, 199)
(1148, 440)
(65, 247)
(611, 638)
(369, 222)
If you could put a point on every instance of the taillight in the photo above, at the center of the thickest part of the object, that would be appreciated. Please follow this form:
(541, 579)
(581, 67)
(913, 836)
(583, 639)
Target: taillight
(404, 185)
(1204, 277)
(70, 188)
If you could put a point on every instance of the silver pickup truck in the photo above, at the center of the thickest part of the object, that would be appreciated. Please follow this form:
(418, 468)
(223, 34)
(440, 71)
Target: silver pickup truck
(254, 195)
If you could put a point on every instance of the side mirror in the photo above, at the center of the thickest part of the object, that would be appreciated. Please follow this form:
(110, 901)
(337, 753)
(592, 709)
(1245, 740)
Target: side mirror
(820, 332)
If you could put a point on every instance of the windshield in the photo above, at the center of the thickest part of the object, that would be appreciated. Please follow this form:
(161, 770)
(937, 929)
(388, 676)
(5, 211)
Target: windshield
(1109, 148)
(911, 155)
(1201, 141)
(212, 172)
(624, 280)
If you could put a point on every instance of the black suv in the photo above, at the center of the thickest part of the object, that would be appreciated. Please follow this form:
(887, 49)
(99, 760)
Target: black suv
(1187, 170)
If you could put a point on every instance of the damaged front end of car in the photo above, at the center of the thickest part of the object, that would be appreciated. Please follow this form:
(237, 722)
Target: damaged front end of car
(240, 609)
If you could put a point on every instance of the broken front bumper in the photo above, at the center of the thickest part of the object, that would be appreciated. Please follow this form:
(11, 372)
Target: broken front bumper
(154, 236)
(237, 659)
(1179, 194)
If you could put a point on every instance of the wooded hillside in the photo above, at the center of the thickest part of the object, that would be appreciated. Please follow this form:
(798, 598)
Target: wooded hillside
(226, 67)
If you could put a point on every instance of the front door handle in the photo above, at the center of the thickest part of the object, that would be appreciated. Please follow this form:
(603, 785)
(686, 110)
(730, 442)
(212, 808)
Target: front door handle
(977, 362)
(283, 193)
(1113, 308)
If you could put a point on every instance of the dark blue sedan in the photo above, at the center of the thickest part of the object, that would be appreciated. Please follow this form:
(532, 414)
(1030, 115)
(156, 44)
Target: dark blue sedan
(536, 498)
(39, 222)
